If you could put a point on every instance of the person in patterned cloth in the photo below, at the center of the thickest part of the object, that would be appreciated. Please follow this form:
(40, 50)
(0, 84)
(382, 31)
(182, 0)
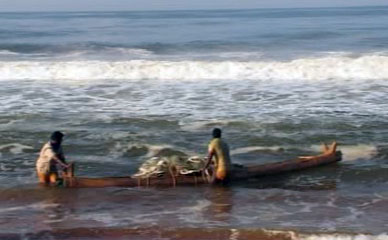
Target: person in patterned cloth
(51, 156)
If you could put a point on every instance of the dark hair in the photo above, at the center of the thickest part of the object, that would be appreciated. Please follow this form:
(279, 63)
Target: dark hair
(56, 136)
(216, 133)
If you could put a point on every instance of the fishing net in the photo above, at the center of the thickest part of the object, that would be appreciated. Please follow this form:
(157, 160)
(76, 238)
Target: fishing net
(158, 166)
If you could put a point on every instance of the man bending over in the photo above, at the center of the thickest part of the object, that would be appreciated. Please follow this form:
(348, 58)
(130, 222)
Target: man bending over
(50, 157)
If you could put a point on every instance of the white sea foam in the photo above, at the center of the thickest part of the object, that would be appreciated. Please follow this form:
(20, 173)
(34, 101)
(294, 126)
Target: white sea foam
(15, 148)
(194, 214)
(338, 68)
(7, 52)
(361, 151)
(151, 150)
(3, 167)
(187, 214)
(253, 149)
(106, 218)
(339, 236)
(325, 236)
(129, 53)
(199, 206)
(292, 235)
(34, 206)
(234, 234)
(354, 152)
(133, 51)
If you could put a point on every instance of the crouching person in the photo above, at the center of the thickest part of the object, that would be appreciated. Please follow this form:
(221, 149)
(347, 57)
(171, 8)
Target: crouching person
(51, 156)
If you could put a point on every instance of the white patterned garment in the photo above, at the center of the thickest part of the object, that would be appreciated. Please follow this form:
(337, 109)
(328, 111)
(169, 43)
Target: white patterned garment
(45, 158)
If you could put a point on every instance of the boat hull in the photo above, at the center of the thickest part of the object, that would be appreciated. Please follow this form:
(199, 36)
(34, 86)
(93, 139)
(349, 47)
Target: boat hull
(329, 156)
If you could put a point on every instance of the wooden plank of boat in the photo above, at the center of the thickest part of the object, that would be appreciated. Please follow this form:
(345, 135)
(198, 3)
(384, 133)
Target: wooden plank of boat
(329, 155)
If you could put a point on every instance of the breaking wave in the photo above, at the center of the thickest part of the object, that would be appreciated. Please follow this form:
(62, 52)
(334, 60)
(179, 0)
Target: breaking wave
(336, 68)
(339, 236)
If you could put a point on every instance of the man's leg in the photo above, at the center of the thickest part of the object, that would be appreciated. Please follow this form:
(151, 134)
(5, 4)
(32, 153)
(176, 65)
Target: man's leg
(43, 178)
(53, 178)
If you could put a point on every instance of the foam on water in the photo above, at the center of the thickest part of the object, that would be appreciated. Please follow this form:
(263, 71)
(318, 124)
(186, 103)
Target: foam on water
(360, 151)
(106, 218)
(9, 123)
(34, 206)
(341, 236)
(133, 51)
(367, 67)
(155, 149)
(353, 152)
(189, 214)
(200, 205)
(151, 150)
(323, 236)
(253, 149)
(3, 167)
(194, 214)
(14, 148)
(7, 52)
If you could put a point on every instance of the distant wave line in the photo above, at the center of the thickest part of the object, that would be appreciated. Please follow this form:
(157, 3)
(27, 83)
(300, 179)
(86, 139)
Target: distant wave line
(367, 67)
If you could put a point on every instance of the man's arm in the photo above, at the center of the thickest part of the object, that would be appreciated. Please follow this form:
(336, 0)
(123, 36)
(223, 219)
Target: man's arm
(50, 153)
(60, 162)
(209, 158)
(62, 158)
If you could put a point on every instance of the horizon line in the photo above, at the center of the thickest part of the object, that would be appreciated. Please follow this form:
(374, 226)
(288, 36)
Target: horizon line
(197, 9)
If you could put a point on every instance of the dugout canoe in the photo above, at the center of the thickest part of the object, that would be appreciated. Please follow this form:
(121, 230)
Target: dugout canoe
(329, 155)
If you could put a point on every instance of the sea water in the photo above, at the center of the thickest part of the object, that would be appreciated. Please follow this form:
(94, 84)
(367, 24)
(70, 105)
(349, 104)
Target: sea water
(127, 86)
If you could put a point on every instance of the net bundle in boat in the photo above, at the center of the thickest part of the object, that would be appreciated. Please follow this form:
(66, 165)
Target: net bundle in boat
(158, 166)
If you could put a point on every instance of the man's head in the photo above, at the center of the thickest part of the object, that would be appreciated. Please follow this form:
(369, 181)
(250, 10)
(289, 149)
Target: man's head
(216, 133)
(56, 137)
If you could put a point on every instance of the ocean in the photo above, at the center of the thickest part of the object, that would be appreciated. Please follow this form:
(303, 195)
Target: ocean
(127, 86)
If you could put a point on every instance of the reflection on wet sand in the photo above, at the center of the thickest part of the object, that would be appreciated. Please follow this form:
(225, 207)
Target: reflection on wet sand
(57, 206)
(221, 205)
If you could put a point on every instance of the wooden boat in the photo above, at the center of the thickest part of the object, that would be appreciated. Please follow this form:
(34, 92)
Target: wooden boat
(329, 155)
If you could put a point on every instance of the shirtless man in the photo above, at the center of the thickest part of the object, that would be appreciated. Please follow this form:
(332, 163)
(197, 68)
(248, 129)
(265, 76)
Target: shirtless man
(219, 149)
(50, 156)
